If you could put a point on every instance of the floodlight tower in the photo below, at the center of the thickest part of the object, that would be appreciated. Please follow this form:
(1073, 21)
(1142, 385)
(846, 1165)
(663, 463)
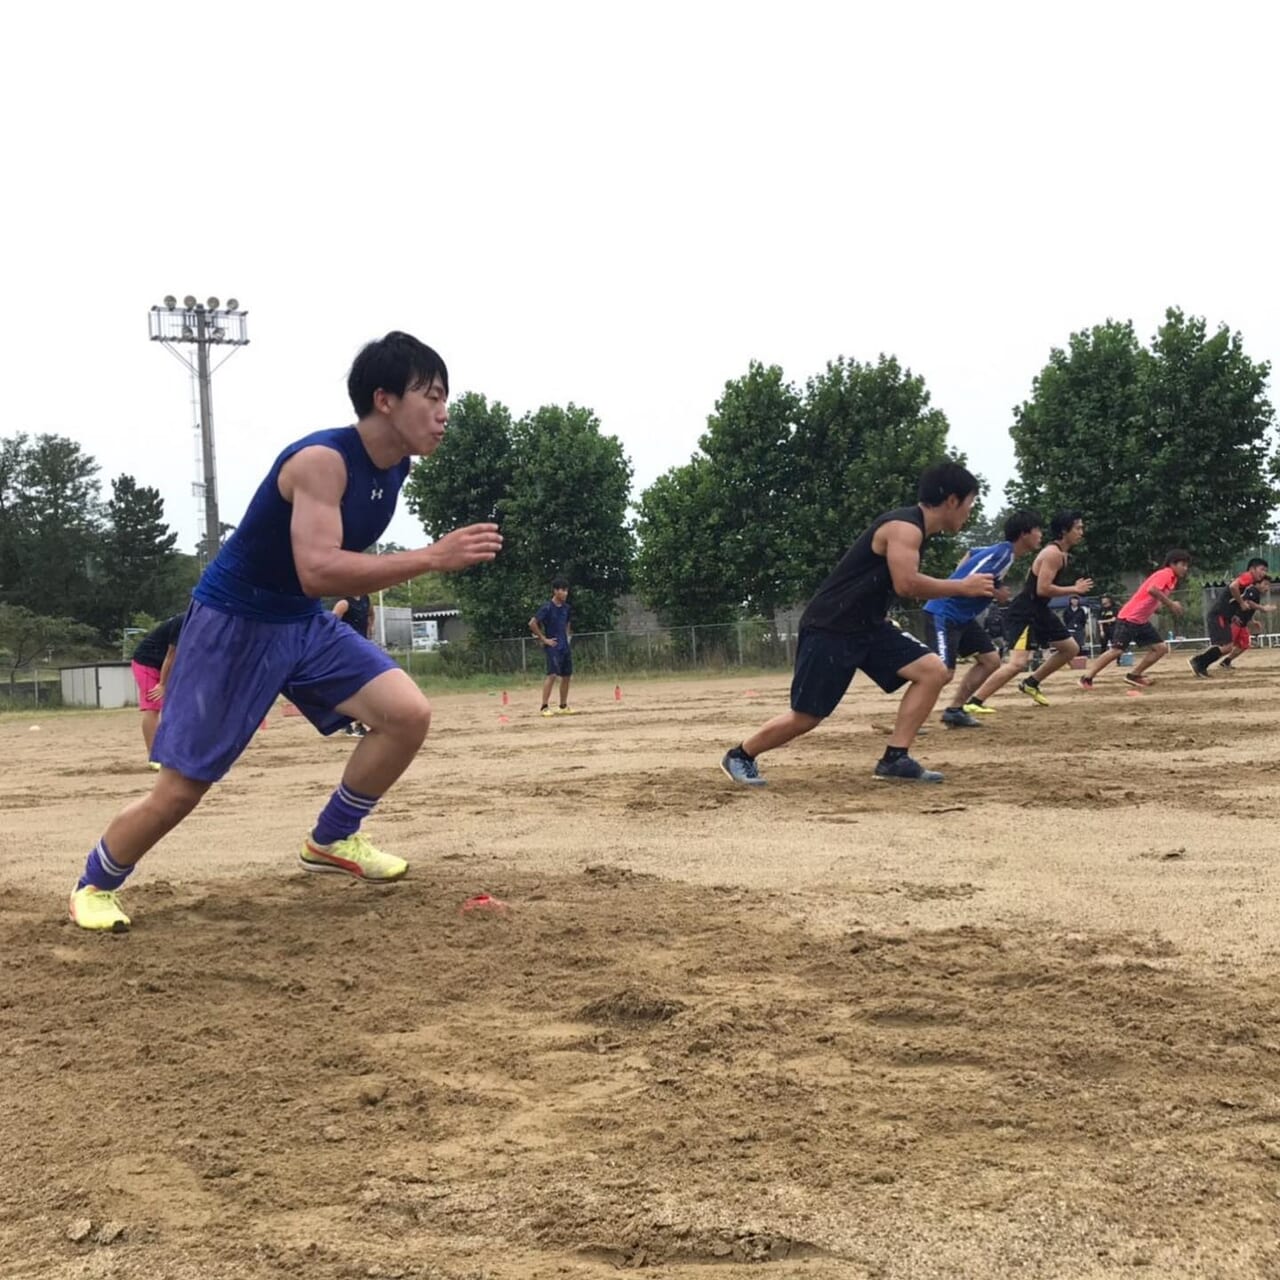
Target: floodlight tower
(202, 326)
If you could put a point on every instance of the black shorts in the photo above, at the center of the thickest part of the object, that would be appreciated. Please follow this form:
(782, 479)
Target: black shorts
(1220, 629)
(1140, 634)
(826, 661)
(1029, 624)
(956, 639)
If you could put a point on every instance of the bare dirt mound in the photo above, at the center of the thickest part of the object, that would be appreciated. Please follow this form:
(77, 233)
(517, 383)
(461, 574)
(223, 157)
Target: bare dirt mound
(284, 1077)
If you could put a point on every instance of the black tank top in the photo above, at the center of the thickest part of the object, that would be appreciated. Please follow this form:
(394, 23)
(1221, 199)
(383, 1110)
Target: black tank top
(858, 591)
(1029, 588)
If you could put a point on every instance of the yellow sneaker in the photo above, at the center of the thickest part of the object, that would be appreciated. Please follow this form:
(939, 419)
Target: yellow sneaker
(354, 856)
(92, 908)
(1033, 692)
(546, 711)
(154, 766)
(979, 709)
(564, 711)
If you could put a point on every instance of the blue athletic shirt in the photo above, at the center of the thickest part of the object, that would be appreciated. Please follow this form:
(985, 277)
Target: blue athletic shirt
(959, 610)
(253, 575)
(554, 620)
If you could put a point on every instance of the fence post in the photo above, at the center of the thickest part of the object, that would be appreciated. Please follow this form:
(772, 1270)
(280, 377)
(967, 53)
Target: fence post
(524, 656)
(693, 644)
(606, 650)
(740, 644)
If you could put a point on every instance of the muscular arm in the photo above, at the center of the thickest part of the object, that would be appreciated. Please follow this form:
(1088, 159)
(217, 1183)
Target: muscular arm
(1051, 563)
(901, 550)
(313, 481)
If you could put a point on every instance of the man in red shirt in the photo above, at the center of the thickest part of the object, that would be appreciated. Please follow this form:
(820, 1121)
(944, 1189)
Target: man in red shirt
(1133, 626)
(1230, 616)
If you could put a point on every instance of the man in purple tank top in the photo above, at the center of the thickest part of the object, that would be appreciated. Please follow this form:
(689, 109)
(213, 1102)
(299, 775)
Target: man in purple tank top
(255, 629)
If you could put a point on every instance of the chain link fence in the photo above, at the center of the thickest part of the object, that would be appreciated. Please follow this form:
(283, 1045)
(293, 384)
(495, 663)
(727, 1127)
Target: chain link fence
(755, 644)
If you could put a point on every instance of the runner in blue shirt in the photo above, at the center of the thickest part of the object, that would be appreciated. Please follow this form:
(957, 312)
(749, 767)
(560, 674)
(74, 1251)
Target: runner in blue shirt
(952, 629)
(255, 629)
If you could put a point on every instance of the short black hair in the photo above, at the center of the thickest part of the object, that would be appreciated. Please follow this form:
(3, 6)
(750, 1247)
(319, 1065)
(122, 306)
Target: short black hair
(1176, 555)
(1062, 523)
(393, 364)
(1256, 562)
(559, 583)
(945, 480)
(1020, 522)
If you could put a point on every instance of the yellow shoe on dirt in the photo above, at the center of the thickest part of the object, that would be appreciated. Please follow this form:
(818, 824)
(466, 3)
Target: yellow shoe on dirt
(546, 711)
(564, 711)
(354, 856)
(154, 766)
(1033, 692)
(99, 909)
(978, 709)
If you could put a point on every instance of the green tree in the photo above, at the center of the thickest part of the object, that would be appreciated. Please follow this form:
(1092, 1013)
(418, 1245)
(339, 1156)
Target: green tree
(52, 524)
(1160, 448)
(749, 488)
(680, 572)
(418, 593)
(467, 480)
(866, 432)
(26, 637)
(138, 556)
(568, 509)
(557, 487)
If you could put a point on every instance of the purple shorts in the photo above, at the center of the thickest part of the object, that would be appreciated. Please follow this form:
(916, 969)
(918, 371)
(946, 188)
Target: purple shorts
(229, 671)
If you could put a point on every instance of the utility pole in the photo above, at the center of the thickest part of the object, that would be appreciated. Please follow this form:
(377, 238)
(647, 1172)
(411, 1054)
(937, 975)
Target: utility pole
(202, 325)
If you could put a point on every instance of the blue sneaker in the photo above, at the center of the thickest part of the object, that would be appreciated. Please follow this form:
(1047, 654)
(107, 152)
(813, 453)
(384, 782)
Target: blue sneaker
(742, 770)
(905, 769)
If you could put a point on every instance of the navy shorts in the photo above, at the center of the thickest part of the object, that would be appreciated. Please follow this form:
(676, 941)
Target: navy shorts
(1140, 634)
(229, 670)
(826, 661)
(956, 639)
(559, 660)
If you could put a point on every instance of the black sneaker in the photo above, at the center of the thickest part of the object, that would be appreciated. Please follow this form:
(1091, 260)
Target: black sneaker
(1201, 672)
(959, 718)
(905, 769)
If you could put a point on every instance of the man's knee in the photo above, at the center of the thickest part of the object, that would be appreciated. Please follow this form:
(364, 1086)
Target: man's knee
(174, 796)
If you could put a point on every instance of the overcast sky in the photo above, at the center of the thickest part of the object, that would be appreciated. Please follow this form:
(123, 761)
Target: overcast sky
(615, 204)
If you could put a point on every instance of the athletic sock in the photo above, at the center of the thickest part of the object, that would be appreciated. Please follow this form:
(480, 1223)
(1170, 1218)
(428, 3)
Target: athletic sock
(1032, 681)
(974, 702)
(342, 816)
(739, 754)
(101, 871)
(545, 707)
(1209, 656)
(894, 753)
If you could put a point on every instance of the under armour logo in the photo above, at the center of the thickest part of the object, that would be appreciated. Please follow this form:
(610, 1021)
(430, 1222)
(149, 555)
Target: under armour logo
(375, 495)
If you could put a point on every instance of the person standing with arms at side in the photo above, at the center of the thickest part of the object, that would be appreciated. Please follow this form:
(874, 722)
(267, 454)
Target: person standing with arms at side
(552, 625)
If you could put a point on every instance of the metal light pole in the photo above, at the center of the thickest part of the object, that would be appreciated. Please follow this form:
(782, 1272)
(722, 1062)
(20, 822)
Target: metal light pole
(202, 326)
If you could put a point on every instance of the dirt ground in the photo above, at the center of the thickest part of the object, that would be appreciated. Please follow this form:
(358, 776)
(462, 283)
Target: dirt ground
(1026, 1023)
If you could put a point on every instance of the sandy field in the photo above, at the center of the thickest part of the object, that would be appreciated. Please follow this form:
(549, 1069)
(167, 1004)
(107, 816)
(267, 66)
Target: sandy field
(1026, 1023)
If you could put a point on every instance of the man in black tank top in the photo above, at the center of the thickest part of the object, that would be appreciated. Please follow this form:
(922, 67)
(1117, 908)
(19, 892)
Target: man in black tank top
(845, 629)
(1032, 623)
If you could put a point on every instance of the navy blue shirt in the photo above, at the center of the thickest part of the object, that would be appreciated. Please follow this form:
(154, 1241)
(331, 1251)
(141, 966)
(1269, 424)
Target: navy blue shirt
(153, 647)
(554, 620)
(254, 575)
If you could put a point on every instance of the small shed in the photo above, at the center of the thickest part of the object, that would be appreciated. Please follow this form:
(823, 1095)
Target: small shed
(101, 684)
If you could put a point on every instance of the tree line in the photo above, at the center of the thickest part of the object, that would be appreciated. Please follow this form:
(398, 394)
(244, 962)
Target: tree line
(1162, 444)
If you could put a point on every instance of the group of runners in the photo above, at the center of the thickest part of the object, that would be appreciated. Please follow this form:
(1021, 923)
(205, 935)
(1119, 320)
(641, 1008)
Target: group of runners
(846, 627)
(255, 629)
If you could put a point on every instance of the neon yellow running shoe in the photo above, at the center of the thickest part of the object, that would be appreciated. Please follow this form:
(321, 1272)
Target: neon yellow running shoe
(979, 709)
(1033, 692)
(92, 908)
(354, 856)
(565, 711)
